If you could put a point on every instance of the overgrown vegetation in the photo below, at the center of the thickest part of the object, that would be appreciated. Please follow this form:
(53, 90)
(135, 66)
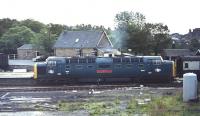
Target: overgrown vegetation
(157, 106)
(94, 108)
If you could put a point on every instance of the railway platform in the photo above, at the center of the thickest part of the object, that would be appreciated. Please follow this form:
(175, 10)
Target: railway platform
(16, 75)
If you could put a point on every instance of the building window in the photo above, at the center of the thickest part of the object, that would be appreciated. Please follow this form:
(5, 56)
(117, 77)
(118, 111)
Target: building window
(186, 65)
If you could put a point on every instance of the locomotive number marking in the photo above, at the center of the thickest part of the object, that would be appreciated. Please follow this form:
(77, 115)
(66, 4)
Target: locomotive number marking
(104, 71)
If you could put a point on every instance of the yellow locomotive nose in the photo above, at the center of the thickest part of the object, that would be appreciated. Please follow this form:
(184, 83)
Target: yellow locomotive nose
(173, 69)
(35, 71)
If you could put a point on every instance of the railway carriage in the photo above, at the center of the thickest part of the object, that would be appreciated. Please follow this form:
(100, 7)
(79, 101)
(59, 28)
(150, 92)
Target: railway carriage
(187, 64)
(105, 69)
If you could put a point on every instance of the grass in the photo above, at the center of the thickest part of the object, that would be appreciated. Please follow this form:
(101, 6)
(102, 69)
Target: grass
(163, 106)
(158, 106)
(69, 106)
(94, 108)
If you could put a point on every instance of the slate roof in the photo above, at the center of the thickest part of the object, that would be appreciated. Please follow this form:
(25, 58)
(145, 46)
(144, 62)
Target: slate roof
(191, 58)
(177, 52)
(26, 47)
(198, 52)
(78, 39)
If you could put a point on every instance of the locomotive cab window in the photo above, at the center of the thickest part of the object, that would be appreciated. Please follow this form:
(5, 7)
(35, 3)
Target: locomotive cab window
(51, 63)
(154, 61)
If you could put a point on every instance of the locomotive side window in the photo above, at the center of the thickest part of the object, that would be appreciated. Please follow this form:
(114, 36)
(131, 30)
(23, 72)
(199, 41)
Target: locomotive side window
(141, 60)
(186, 65)
(104, 66)
(67, 61)
(74, 61)
(134, 60)
(129, 65)
(79, 66)
(118, 65)
(89, 66)
(116, 60)
(191, 65)
(126, 60)
(82, 60)
(91, 60)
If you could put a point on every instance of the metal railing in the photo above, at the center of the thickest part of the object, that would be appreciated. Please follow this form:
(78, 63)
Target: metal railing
(12, 56)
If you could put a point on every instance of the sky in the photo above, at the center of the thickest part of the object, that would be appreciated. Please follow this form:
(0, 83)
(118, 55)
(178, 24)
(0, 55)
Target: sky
(178, 15)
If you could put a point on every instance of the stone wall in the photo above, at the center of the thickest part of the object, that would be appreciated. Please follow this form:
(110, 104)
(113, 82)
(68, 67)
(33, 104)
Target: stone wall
(72, 52)
(26, 54)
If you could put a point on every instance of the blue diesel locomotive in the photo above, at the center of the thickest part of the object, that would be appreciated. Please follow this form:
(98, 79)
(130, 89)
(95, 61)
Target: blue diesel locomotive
(105, 69)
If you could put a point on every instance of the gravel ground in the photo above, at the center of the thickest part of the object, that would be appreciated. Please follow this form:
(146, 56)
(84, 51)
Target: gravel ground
(45, 103)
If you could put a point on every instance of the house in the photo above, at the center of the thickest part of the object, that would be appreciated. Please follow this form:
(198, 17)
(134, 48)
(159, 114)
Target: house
(27, 52)
(198, 52)
(82, 43)
(172, 54)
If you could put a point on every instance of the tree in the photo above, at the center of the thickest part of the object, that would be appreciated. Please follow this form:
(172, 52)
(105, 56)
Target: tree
(16, 37)
(134, 33)
(139, 40)
(194, 45)
(159, 37)
(56, 29)
(131, 32)
(5, 24)
(35, 26)
(45, 40)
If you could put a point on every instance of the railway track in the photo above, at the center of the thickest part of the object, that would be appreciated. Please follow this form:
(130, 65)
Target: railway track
(87, 87)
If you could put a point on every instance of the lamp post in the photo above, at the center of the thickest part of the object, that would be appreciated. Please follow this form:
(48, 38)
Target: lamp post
(49, 38)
